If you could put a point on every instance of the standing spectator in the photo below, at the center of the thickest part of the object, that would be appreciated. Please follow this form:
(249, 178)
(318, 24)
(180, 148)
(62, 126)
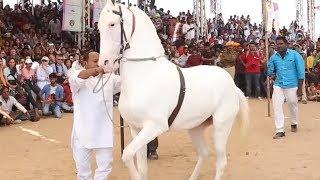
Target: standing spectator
(188, 30)
(288, 69)
(310, 61)
(252, 61)
(43, 73)
(240, 70)
(55, 26)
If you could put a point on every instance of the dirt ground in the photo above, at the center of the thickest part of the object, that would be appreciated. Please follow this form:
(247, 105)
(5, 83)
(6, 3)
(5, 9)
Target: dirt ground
(41, 151)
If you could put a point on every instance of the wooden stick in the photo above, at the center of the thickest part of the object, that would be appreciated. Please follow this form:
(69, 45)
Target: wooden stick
(121, 134)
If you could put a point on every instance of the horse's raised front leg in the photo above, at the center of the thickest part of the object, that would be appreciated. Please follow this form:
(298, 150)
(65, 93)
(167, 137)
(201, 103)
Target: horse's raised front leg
(201, 146)
(147, 134)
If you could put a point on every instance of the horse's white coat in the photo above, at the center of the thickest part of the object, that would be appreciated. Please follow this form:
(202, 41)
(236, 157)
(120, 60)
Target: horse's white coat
(150, 91)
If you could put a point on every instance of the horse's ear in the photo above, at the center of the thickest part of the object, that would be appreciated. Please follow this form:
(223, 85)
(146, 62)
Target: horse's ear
(110, 3)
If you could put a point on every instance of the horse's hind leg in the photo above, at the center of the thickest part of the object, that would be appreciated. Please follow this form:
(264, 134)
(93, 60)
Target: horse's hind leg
(201, 146)
(223, 124)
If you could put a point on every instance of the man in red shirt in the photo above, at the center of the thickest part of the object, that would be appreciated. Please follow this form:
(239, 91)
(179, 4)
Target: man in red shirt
(251, 62)
(195, 59)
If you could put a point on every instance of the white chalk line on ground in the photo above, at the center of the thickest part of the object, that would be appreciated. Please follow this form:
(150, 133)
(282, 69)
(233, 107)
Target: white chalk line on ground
(37, 134)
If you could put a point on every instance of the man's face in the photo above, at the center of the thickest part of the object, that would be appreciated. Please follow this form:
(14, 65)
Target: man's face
(59, 59)
(2, 54)
(92, 60)
(5, 94)
(28, 65)
(281, 46)
(318, 46)
(53, 80)
(13, 52)
(252, 47)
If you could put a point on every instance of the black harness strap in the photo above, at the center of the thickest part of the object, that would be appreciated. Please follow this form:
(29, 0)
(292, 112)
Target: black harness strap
(180, 100)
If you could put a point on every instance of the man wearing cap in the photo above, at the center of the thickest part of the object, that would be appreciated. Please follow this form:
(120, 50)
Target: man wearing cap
(93, 127)
(28, 81)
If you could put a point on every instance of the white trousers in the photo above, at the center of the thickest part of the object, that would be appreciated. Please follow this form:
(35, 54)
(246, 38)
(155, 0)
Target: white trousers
(278, 98)
(82, 156)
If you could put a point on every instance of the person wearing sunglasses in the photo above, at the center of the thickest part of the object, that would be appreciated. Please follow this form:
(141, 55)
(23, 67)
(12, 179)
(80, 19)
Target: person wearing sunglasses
(43, 72)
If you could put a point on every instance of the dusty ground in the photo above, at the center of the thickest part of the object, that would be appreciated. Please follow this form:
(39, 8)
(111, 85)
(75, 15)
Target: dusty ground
(26, 156)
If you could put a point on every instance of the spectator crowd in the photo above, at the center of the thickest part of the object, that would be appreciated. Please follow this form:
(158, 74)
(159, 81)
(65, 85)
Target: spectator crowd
(35, 55)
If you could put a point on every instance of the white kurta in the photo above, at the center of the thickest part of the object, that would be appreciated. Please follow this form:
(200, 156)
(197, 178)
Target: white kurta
(92, 125)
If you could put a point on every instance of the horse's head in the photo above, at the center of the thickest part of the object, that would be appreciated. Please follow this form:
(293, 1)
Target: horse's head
(127, 32)
(114, 32)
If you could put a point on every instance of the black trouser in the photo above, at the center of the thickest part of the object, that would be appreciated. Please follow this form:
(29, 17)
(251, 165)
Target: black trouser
(30, 86)
(263, 84)
(240, 81)
(153, 146)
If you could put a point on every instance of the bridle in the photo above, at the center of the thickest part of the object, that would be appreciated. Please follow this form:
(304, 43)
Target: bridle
(125, 45)
(123, 37)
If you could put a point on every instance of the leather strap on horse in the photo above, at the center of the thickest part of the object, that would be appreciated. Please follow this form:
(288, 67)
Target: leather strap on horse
(180, 100)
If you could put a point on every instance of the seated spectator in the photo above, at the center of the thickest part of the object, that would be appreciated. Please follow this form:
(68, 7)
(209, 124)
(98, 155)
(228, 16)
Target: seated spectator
(53, 97)
(184, 58)
(60, 69)
(28, 81)
(68, 62)
(67, 93)
(11, 74)
(25, 101)
(7, 103)
(195, 59)
(43, 73)
(5, 118)
(2, 79)
(312, 93)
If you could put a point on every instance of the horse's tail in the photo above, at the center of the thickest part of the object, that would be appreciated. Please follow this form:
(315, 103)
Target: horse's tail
(244, 111)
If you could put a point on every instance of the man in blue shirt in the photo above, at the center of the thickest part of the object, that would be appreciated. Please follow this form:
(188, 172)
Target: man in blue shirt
(287, 68)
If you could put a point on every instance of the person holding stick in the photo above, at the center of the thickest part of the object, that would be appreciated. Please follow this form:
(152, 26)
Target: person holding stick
(93, 113)
(287, 68)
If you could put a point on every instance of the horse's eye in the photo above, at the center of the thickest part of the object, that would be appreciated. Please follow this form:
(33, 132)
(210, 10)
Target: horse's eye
(111, 25)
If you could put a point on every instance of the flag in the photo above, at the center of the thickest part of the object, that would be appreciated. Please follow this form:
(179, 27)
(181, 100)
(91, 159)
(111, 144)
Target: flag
(72, 15)
(273, 16)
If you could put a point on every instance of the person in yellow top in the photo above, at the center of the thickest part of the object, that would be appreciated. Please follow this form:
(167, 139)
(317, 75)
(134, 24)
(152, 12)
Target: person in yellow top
(310, 60)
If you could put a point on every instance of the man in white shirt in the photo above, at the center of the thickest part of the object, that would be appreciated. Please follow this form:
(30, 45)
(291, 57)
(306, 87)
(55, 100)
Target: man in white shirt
(189, 30)
(43, 72)
(93, 127)
(7, 102)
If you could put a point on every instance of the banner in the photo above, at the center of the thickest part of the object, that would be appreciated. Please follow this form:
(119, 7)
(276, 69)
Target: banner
(98, 6)
(273, 16)
(72, 15)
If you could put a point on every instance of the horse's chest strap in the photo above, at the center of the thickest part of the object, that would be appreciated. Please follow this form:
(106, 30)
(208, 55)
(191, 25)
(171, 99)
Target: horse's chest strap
(180, 100)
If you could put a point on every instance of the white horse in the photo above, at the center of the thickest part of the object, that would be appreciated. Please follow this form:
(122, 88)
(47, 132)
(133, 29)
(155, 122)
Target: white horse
(150, 90)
